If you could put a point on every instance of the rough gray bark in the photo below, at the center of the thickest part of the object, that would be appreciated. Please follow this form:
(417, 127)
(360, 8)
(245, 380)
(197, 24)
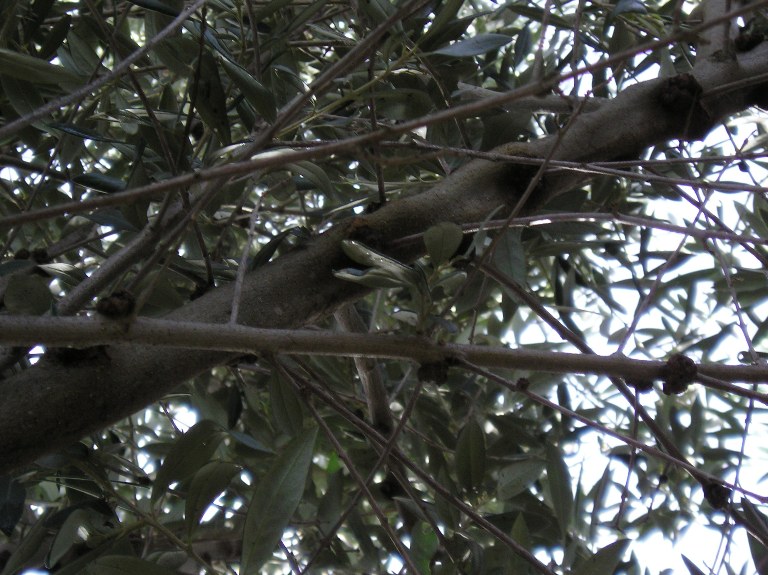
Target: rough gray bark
(60, 400)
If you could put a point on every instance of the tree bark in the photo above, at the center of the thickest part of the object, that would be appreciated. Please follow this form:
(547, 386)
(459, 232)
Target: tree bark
(66, 396)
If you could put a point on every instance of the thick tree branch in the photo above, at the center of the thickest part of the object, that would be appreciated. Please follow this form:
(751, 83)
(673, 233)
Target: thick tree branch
(84, 333)
(549, 103)
(714, 42)
(59, 400)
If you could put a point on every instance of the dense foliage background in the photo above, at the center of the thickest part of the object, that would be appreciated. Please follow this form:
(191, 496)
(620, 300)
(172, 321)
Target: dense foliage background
(265, 163)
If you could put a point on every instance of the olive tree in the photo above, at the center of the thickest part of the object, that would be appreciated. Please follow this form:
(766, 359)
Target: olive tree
(422, 286)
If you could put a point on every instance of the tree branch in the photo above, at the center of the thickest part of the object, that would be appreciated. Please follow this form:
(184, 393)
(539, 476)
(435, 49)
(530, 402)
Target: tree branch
(59, 400)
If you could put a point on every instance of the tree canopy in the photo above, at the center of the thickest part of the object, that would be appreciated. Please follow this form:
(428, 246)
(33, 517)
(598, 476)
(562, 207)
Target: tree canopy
(423, 286)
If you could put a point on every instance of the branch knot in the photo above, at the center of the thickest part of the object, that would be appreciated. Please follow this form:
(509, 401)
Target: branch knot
(677, 374)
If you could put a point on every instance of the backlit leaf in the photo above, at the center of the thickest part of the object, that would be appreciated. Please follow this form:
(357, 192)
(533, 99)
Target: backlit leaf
(12, 496)
(206, 485)
(187, 455)
(262, 100)
(35, 70)
(470, 455)
(480, 44)
(559, 486)
(274, 501)
(605, 561)
(442, 241)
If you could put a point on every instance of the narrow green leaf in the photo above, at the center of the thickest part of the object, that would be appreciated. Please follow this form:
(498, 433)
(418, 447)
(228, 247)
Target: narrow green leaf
(515, 478)
(56, 37)
(509, 255)
(759, 554)
(378, 10)
(268, 249)
(188, 454)
(480, 44)
(112, 218)
(757, 528)
(206, 485)
(287, 408)
(522, 47)
(470, 455)
(756, 520)
(211, 98)
(157, 6)
(599, 494)
(450, 30)
(79, 132)
(210, 37)
(314, 174)
(692, 569)
(368, 551)
(100, 182)
(372, 278)
(522, 534)
(442, 241)
(176, 52)
(451, 282)
(559, 485)
(330, 507)
(362, 254)
(24, 96)
(424, 545)
(35, 70)
(275, 500)
(605, 561)
(520, 531)
(78, 55)
(262, 100)
(444, 18)
(12, 496)
(70, 533)
(629, 6)
(250, 442)
(444, 509)
(28, 547)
